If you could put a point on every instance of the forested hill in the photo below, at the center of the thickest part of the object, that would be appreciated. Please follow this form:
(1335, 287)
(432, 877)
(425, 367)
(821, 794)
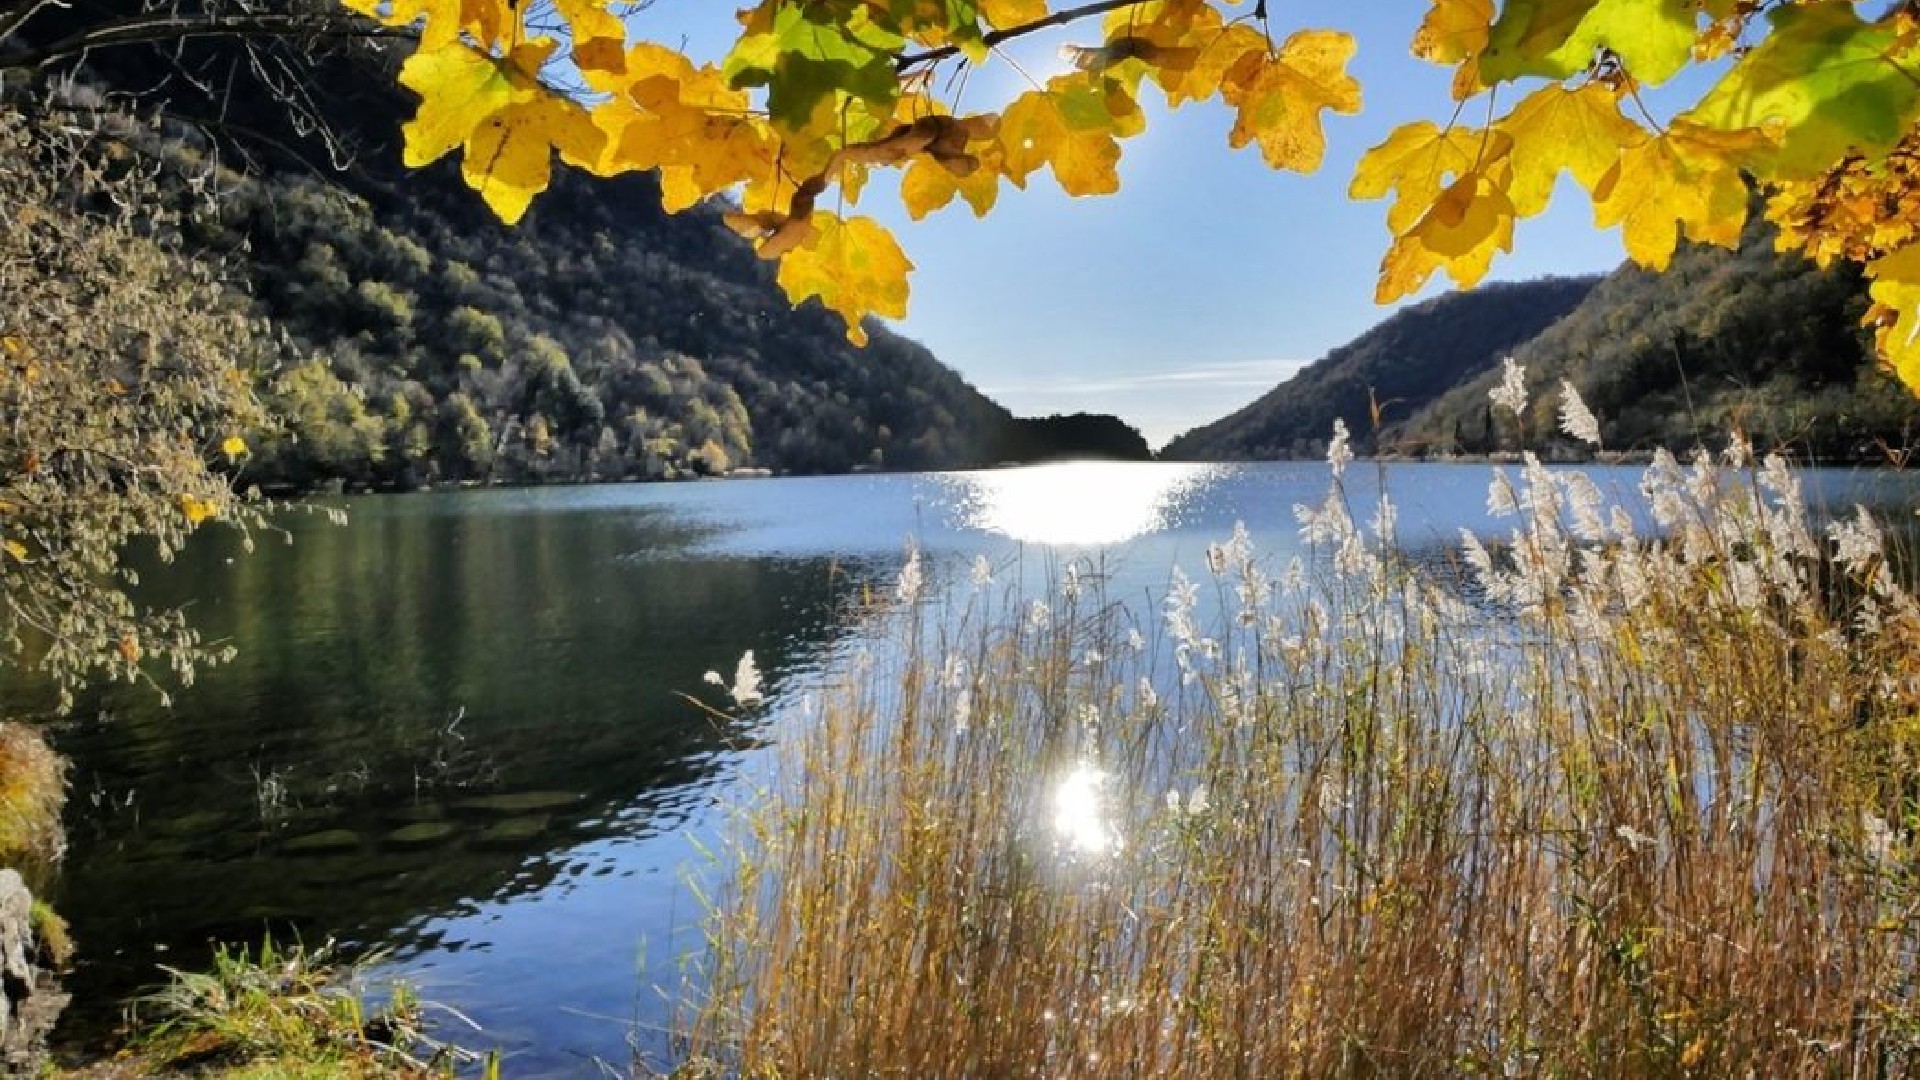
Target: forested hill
(1751, 340)
(1404, 363)
(599, 339)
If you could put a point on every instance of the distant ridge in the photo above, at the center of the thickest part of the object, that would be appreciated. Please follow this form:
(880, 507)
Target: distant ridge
(1416, 355)
(1749, 340)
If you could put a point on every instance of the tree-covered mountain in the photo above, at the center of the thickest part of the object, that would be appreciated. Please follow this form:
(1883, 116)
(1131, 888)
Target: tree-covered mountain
(599, 339)
(1079, 436)
(1402, 364)
(1749, 340)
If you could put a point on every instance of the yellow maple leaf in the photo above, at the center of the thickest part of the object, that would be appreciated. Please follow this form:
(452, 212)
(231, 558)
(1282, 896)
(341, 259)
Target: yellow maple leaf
(1280, 98)
(1069, 127)
(488, 21)
(1468, 225)
(233, 446)
(599, 37)
(495, 109)
(1895, 290)
(509, 156)
(1685, 181)
(854, 266)
(664, 113)
(1455, 32)
(1418, 161)
(1580, 131)
(1007, 14)
(928, 185)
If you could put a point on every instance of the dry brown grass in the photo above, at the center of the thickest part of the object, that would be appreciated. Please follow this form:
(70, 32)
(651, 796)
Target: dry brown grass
(33, 790)
(1643, 807)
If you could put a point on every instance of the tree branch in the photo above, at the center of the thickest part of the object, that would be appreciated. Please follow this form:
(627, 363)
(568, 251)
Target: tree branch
(174, 28)
(1058, 18)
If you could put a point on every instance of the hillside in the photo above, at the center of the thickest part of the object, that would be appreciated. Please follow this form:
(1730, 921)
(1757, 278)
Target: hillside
(427, 343)
(1748, 339)
(1404, 363)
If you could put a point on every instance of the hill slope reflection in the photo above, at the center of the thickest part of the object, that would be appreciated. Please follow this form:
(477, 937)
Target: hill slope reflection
(429, 711)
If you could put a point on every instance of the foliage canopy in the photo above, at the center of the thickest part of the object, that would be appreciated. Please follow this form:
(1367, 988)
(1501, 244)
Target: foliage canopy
(1815, 100)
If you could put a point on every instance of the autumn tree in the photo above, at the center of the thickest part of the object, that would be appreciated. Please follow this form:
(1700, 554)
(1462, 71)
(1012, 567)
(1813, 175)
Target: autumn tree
(124, 393)
(1815, 101)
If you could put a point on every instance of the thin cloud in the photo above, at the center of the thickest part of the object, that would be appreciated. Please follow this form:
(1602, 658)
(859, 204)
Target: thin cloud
(1262, 374)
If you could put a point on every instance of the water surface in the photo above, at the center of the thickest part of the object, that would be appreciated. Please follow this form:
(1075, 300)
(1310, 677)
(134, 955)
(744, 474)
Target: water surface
(459, 728)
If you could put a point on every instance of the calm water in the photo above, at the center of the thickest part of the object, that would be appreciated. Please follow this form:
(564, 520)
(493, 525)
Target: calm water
(456, 726)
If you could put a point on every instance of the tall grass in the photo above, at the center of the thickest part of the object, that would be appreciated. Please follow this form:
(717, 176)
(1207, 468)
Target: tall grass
(1612, 801)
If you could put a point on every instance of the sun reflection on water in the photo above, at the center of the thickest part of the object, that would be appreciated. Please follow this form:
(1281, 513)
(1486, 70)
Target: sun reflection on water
(1077, 503)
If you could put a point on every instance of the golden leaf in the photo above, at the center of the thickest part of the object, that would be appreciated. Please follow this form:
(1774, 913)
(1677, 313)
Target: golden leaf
(1684, 182)
(16, 549)
(1007, 14)
(855, 267)
(233, 446)
(1418, 161)
(1467, 226)
(129, 648)
(1895, 291)
(1553, 128)
(1280, 98)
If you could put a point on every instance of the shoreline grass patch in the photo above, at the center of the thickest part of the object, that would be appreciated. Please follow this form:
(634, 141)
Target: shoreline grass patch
(1632, 794)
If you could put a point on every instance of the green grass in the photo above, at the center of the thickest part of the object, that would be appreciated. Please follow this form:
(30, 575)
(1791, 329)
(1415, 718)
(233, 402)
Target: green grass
(284, 1014)
(1601, 804)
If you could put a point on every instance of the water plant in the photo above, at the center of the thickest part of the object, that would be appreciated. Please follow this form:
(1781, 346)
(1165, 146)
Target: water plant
(1628, 792)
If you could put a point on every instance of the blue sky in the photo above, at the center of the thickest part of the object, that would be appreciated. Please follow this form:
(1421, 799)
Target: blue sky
(1209, 278)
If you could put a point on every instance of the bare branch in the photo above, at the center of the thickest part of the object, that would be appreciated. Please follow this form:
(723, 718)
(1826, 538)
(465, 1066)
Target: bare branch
(174, 28)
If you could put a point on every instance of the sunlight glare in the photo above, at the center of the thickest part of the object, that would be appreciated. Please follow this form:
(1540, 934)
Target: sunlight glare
(1079, 813)
(1077, 503)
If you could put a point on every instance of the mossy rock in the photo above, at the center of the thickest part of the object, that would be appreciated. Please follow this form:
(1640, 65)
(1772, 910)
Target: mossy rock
(513, 831)
(330, 841)
(521, 802)
(422, 833)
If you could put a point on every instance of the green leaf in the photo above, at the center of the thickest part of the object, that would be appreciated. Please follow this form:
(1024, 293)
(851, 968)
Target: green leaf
(811, 51)
(1558, 38)
(1826, 81)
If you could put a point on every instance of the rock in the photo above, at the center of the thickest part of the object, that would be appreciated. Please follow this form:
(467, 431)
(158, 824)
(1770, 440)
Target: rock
(421, 833)
(30, 998)
(521, 802)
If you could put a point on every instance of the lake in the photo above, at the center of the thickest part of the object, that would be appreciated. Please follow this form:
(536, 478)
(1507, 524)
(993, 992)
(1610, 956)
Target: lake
(459, 727)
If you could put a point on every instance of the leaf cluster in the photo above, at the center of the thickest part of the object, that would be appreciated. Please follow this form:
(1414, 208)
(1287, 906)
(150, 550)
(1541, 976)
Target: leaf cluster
(816, 94)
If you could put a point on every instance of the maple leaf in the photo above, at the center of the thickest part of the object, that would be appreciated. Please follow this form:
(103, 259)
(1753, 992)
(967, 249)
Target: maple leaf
(1831, 83)
(1418, 161)
(1557, 38)
(854, 266)
(1455, 32)
(1280, 98)
(1580, 131)
(1467, 226)
(599, 37)
(507, 123)
(1895, 290)
(1684, 182)
(487, 21)
(664, 113)
(1070, 127)
(1007, 14)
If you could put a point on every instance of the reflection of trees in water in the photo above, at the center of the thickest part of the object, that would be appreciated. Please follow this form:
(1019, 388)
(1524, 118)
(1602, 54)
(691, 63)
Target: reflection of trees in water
(428, 710)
